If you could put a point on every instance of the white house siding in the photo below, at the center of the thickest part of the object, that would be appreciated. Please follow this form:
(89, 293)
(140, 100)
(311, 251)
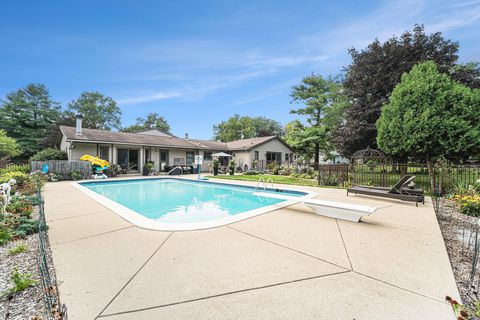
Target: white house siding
(77, 149)
(243, 158)
(206, 163)
(80, 149)
(271, 146)
(176, 154)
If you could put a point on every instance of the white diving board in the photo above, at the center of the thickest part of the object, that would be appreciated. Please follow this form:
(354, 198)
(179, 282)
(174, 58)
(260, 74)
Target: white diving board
(337, 210)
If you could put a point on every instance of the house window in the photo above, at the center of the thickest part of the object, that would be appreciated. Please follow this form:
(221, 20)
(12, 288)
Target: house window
(104, 153)
(256, 155)
(190, 157)
(274, 157)
(286, 157)
(207, 156)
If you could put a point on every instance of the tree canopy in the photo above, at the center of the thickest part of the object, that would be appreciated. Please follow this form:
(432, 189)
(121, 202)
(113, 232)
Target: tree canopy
(153, 121)
(429, 115)
(376, 70)
(27, 114)
(238, 127)
(8, 146)
(323, 104)
(99, 111)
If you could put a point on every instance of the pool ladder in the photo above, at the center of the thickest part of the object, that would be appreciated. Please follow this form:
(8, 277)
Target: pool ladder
(177, 167)
(265, 183)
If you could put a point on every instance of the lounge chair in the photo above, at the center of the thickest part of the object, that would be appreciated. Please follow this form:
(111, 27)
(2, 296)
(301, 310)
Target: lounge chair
(398, 191)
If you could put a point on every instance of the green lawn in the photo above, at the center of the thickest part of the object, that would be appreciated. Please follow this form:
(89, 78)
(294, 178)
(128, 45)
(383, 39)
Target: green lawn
(275, 178)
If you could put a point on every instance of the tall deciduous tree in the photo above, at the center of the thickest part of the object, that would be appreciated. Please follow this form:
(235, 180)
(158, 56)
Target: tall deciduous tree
(26, 115)
(51, 139)
(296, 135)
(429, 115)
(99, 111)
(265, 127)
(318, 95)
(153, 121)
(375, 71)
(234, 128)
(8, 146)
(238, 127)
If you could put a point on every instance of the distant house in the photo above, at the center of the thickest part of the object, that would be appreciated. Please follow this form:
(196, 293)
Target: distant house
(132, 150)
(335, 158)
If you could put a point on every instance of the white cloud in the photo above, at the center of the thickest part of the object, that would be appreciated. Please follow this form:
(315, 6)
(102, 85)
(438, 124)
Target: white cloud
(148, 97)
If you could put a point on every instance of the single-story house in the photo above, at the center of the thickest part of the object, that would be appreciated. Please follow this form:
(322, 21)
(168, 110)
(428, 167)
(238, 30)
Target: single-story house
(132, 150)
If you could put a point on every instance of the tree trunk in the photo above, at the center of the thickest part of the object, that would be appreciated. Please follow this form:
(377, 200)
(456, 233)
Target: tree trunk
(431, 174)
(317, 156)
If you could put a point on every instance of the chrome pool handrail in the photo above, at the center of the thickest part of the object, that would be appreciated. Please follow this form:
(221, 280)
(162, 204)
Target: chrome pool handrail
(261, 179)
(177, 167)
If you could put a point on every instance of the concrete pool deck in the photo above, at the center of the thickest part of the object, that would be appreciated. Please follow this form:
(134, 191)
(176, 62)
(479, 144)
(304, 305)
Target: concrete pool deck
(285, 264)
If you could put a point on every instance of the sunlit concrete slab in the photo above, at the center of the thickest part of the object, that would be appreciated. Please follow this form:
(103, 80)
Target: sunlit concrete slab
(285, 264)
(91, 271)
(62, 230)
(199, 264)
(410, 260)
(343, 296)
(298, 228)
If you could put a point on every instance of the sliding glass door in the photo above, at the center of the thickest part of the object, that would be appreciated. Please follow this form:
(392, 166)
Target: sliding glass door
(128, 159)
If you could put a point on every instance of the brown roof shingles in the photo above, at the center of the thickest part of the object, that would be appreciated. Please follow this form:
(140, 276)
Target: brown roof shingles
(103, 136)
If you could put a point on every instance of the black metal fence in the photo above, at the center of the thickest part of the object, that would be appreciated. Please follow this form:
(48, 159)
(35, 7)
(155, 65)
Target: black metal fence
(55, 310)
(378, 174)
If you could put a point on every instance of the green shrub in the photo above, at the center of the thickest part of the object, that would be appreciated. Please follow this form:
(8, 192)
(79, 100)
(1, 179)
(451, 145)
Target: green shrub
(25, 168)
(49, 154)
(251, 173)
(329, 181)
(231, 167)
(5, 234)
(21, 281)
(26, 226)
(19, 176)
(38, 178)
(20, 206)
(19, 248)
(77, 175)
(468, 204)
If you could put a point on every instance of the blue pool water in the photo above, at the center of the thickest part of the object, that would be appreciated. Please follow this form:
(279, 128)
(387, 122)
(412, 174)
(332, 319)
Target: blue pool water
(183, 201)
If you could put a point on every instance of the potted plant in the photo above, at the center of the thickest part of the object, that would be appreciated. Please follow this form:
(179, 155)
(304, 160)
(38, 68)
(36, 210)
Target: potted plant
(113, 170)
(216, 164)
(148, 168)
(231, 167)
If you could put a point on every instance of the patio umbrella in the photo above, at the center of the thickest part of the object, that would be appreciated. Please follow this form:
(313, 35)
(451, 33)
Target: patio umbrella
(221, 154)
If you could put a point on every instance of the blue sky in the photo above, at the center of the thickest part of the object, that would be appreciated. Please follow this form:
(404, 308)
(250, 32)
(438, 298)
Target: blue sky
(199, 62)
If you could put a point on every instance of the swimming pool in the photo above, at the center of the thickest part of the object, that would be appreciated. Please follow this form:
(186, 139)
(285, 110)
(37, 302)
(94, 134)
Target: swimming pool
(182, 204)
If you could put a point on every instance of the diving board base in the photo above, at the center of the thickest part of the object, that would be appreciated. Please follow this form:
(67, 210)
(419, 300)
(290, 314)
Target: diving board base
(336, 210)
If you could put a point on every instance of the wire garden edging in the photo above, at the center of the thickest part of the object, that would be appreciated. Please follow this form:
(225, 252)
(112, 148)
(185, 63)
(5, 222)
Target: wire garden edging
(54, 309)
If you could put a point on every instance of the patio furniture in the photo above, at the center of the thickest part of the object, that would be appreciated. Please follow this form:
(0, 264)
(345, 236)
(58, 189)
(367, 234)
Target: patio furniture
(399, 191)
(336, 210)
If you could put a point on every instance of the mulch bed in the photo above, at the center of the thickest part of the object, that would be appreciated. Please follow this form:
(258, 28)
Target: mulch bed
(28, 303)
(459, 240)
